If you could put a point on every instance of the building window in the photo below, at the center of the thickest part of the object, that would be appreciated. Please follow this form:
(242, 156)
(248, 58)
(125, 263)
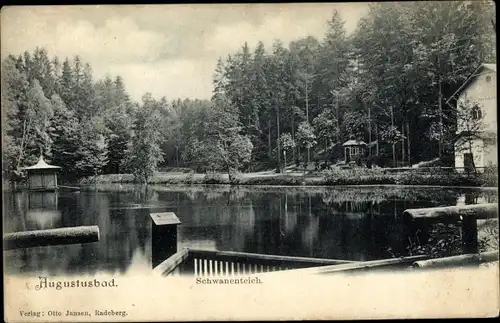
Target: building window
(355, 151)
(476, 113)
(488, 78)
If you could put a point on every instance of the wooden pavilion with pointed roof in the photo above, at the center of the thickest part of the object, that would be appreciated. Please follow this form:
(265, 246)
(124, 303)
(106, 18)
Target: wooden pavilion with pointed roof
(42, 176)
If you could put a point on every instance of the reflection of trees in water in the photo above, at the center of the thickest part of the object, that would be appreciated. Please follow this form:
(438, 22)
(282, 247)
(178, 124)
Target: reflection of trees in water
(123, 233)
(145, 195)
(237, 194)
(212, 195)
(225, 225)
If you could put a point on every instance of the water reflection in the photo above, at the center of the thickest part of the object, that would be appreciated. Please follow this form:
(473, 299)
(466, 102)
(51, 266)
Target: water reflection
(338, 223)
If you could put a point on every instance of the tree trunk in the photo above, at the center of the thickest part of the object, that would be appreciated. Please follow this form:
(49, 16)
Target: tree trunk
(26, 129)
(293, 137)
(393, 144)
(229, 175)
(22, 145)
(408, 141)
(307, 99)
(278, 135)
(402, 144)
(269, 150)
(338, 118)
(369, 128)
(334, 106)
(440, 119)
(393, 155)
(307, 115)
(177, 155)
(472, 156)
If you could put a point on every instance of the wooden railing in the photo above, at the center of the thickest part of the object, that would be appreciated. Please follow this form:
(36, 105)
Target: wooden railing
(171, 266)
(404, 262)
(228, 263)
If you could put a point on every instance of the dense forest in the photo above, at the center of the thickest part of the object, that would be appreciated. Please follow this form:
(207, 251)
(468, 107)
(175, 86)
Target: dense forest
(386, 83)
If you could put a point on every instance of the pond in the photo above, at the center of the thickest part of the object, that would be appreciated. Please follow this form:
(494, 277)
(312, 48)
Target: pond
(349, 223)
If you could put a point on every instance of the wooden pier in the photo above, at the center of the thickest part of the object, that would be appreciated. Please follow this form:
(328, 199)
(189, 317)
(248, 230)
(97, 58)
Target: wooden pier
(228, 263)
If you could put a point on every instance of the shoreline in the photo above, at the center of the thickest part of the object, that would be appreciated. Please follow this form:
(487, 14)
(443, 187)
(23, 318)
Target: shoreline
(355, 178)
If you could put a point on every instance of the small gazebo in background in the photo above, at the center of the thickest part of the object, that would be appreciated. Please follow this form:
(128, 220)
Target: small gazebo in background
(42, 176)
(353, 150)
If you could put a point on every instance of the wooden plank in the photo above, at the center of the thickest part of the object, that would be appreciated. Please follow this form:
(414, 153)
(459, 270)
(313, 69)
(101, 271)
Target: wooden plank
(59, 236)
(165, 218)
(247, 257)
(172, 262)
(362, 265)
(481, 211)
(468, 259)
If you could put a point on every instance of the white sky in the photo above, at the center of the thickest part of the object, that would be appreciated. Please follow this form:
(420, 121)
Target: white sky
(168, 50)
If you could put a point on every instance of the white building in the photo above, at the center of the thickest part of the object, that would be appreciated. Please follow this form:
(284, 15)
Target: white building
(480, 91)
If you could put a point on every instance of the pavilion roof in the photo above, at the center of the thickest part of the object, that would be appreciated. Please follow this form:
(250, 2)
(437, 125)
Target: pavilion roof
(41, 165)
(353, 142)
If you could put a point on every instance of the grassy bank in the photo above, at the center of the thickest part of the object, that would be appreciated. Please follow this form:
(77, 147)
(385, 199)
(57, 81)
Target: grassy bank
(356, 176)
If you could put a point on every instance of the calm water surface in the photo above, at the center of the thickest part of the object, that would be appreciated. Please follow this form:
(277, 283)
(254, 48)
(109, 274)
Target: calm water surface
(341, 223)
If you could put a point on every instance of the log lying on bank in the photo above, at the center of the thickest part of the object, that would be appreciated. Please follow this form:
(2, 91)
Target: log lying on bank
(68, 188)
(60, 236)
(480, 211)
(456, 261)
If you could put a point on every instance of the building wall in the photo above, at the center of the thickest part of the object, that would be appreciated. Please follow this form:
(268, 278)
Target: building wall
(42, 180)
(481, 90)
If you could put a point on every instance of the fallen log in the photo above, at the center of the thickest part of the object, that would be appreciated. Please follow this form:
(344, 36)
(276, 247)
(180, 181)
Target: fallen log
(68, 188)
(456, 261)
(480, 211)
(59, 236)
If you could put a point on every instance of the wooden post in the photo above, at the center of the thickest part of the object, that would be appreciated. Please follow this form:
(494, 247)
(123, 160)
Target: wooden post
(469, 234)
(440, 119)
(163, 236)
(466, 215)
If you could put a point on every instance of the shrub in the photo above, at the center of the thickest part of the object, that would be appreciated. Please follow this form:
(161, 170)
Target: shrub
(357, 176)
(376, 176)
(213, 178)
(490, 176)
(190, 178)
(488, 238)
(444, 241)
